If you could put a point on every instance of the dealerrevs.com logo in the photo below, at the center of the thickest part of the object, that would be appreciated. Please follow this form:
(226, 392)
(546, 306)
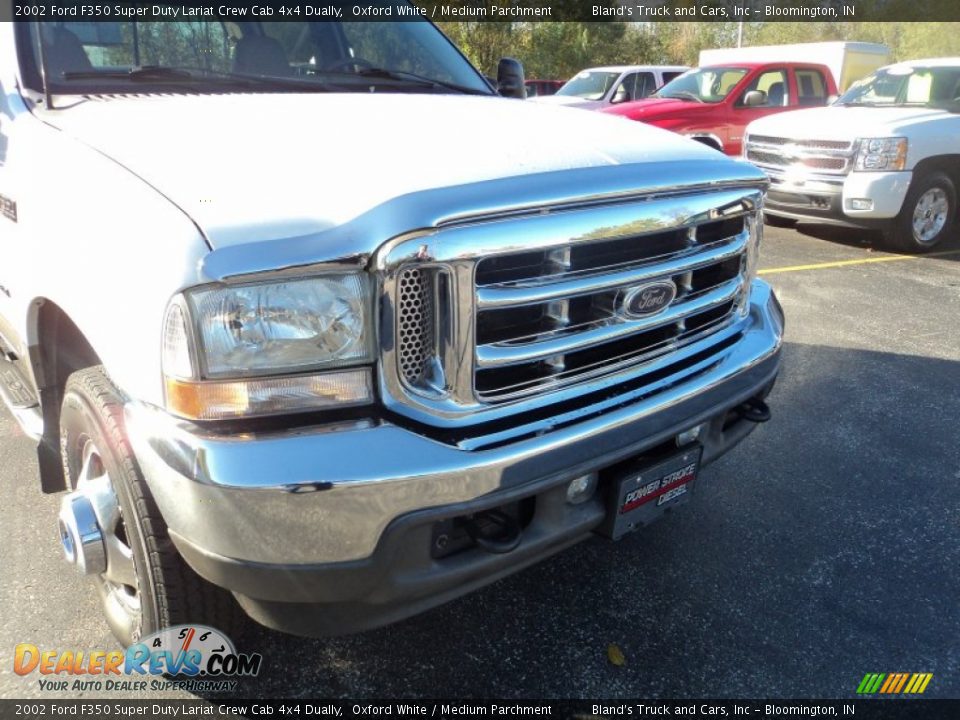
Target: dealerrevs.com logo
(194, 657)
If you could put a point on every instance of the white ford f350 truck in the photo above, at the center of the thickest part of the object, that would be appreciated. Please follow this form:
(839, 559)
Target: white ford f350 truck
(885, 155)
(305, 313)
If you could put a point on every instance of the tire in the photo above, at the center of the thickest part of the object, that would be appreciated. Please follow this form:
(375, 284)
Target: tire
(157, 589)
(780, 222)
(927, 216)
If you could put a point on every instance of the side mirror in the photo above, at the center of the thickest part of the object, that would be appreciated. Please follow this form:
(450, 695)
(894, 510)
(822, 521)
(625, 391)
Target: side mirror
(832, 99)
(620, 96)
(510, 78)
(755, 98)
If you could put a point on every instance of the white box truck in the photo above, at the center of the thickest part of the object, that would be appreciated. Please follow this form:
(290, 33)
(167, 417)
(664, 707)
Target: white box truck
(848, 61)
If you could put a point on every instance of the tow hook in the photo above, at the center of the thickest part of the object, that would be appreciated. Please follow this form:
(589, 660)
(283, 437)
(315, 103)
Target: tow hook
(754, 410)
(503, 539)
(81, 536)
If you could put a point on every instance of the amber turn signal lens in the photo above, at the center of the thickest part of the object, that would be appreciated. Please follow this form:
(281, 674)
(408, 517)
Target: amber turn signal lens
(257, 397)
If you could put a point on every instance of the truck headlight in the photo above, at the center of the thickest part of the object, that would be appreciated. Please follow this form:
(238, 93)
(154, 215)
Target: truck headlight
(881, 154)
(269, 348)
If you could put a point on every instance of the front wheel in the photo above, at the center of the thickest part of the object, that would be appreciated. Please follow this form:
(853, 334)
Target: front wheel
(927, 215)
(111, 528)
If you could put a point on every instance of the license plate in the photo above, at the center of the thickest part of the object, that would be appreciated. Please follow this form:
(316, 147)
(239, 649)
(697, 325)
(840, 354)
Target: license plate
(641, 494)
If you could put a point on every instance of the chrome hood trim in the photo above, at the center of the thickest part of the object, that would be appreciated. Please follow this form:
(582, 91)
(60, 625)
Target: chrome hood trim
(354, 242)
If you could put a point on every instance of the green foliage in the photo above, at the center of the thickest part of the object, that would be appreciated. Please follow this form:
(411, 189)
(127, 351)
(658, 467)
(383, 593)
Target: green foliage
(929, 39)
(186, 44)
(681, 42)
(484, 43)
(907, 41)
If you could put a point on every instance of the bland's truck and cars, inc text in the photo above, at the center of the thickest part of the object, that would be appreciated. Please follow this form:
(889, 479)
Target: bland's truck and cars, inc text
(323, 325)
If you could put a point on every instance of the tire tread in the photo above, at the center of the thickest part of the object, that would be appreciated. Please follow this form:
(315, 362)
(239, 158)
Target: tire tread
(182, 595)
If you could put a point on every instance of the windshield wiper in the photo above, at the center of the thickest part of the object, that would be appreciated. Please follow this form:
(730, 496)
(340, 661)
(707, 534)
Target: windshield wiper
(143, 72)
(410, 78)
(184, 74)
(162, 74)
(682, 95)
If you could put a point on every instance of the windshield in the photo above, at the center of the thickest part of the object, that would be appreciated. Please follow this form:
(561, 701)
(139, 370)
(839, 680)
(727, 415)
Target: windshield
(707, 85)
(589, 84)
(921, 86)
(408, 56)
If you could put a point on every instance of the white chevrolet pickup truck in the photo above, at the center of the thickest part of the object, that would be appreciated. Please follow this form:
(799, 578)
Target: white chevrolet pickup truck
(306, 319)
(885, 155)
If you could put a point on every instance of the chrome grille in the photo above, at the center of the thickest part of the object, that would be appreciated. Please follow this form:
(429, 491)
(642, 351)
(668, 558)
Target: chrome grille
(827, 157)
(525, 306)
(812, 144)
(550, 323)
(414, 323)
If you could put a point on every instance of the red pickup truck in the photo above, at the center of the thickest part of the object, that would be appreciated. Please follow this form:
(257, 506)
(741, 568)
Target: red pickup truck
(714, 104)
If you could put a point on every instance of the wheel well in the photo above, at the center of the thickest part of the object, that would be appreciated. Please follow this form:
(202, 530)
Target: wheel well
(949, 164)
(708, 141)
(58, 350)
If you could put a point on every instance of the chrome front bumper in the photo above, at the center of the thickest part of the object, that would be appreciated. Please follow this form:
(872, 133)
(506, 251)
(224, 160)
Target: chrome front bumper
(826, 199)
(324, 495)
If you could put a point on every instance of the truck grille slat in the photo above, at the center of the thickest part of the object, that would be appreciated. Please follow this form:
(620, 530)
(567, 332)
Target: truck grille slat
(641, 348)
(573, 284)
(813, 144)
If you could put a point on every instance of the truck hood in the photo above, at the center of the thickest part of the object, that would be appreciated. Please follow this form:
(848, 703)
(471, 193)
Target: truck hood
(659, 109)
(843, 122)
(253, 167)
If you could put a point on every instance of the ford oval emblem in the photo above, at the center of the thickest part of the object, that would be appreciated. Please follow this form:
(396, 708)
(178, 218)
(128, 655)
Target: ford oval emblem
(646, 300)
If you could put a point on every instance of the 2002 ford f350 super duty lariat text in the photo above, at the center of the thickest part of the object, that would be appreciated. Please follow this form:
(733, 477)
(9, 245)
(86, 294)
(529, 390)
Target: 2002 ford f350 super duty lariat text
(320, 320)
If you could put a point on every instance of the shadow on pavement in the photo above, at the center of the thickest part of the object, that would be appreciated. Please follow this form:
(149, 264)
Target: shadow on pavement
(825, 546)
(870, 240)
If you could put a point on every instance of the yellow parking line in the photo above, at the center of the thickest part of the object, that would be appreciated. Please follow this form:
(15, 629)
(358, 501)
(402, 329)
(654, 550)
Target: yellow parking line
(846, 263)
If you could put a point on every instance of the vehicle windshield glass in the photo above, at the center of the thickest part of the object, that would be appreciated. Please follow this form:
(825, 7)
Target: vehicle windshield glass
(589, 84)
(408, 56)
(708, 85)
(937, 87)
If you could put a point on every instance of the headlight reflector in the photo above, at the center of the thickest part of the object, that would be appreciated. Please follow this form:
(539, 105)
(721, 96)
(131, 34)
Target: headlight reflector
(282, 327)
(881, 154)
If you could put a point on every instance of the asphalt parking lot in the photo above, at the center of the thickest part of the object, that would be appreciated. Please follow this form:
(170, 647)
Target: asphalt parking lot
(824, 547)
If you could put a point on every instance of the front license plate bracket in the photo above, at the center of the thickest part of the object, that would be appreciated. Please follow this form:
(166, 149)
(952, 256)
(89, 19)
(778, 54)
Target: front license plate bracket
(642, 492)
